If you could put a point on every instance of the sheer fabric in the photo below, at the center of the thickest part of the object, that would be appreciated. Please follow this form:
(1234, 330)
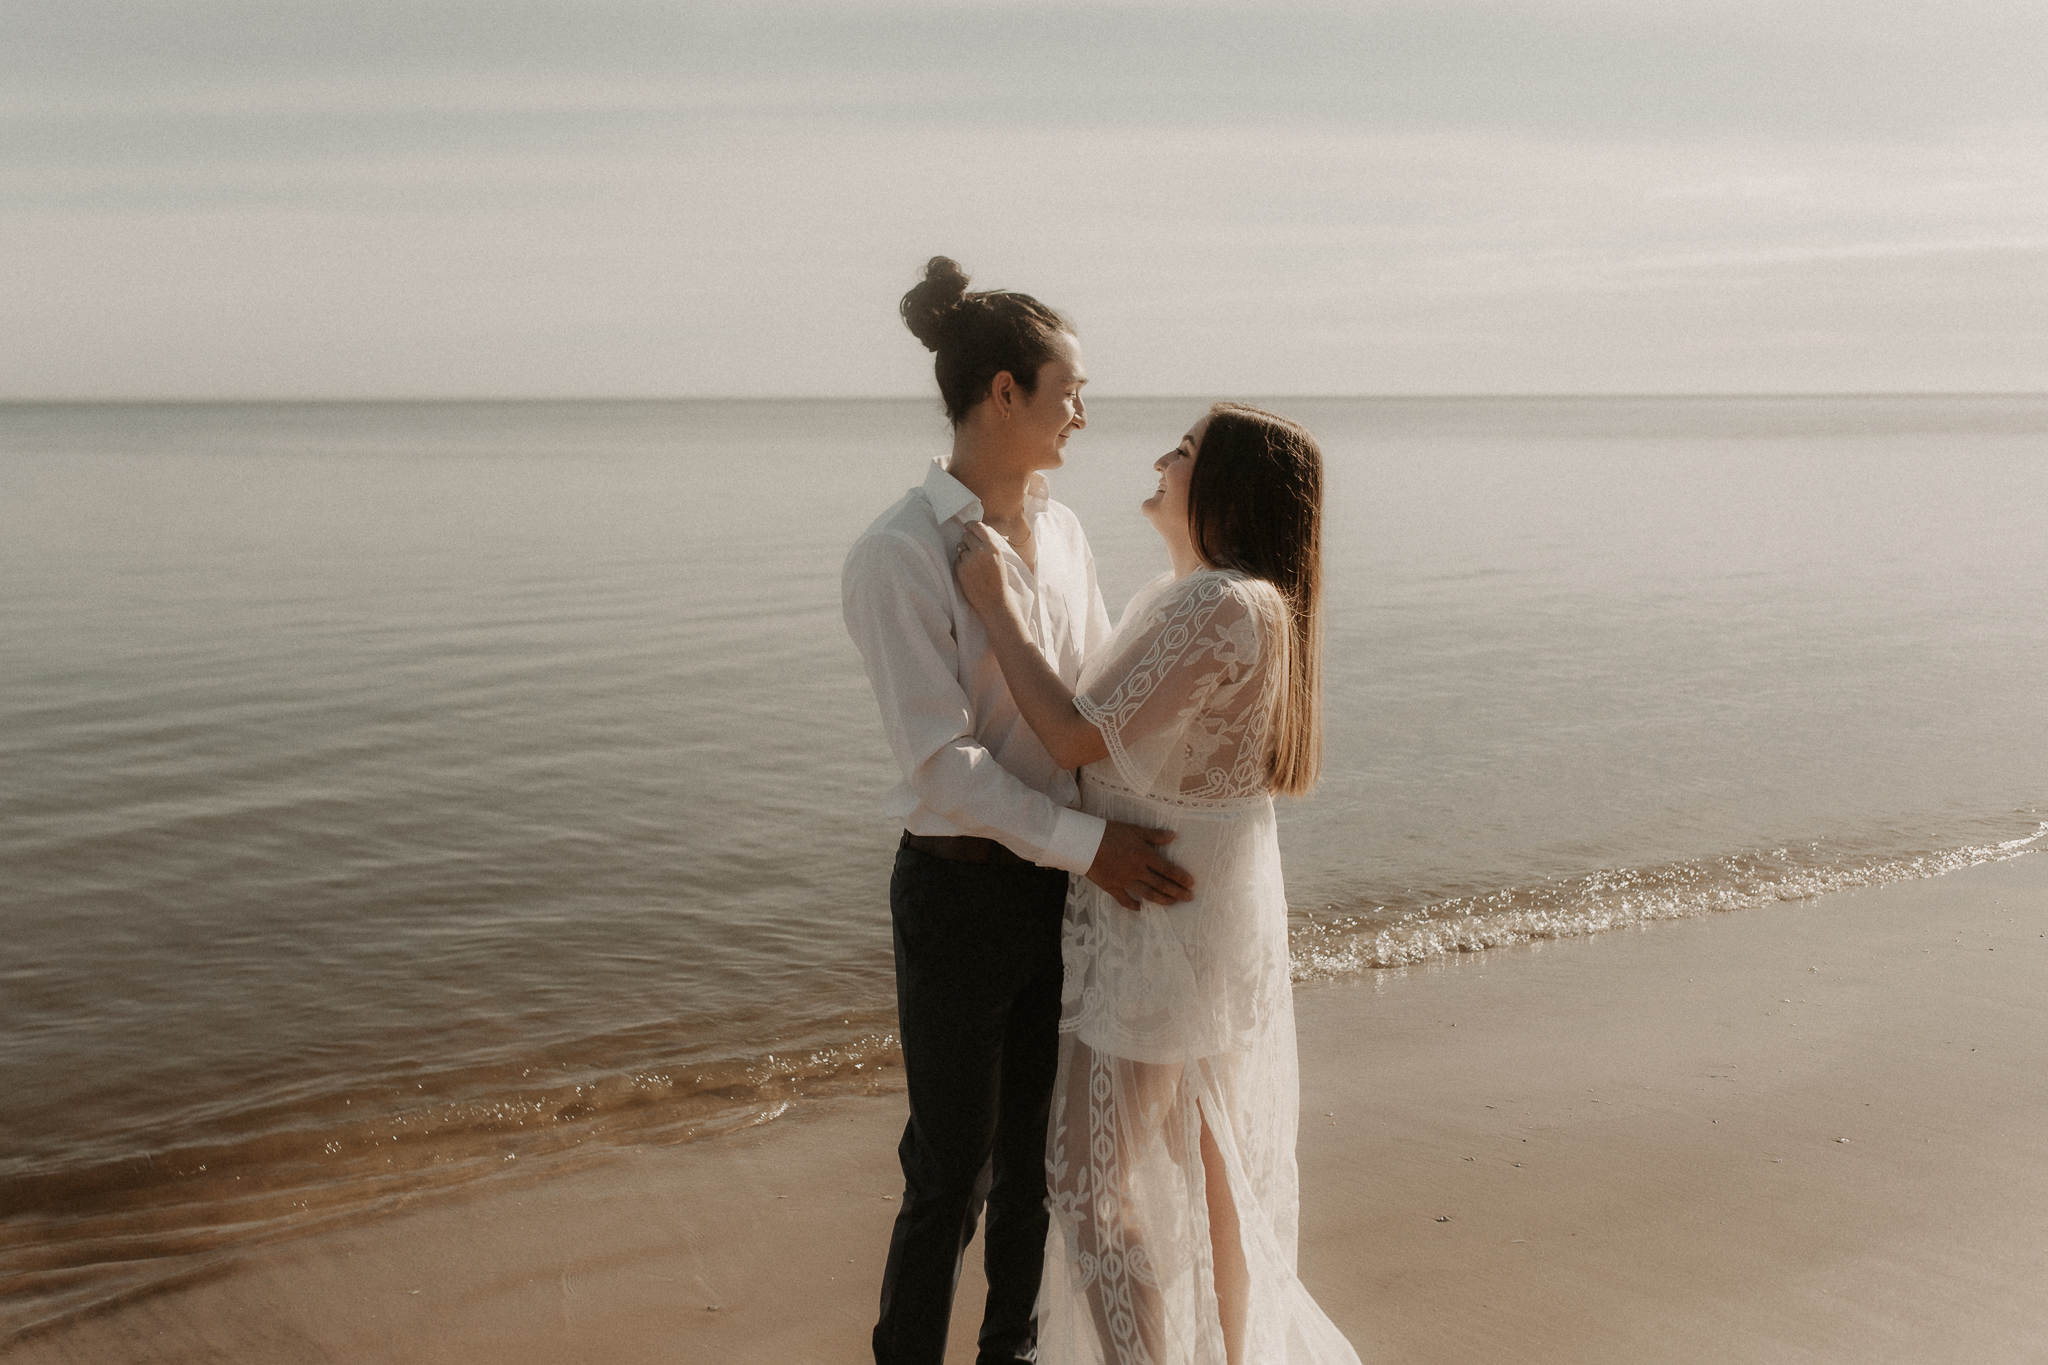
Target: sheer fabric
(1176, 1019)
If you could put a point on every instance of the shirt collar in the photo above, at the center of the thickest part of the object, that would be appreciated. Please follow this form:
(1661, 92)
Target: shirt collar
(953, 500)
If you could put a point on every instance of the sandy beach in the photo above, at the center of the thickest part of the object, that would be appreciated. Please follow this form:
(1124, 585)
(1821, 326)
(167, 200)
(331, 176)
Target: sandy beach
(1804, 1133)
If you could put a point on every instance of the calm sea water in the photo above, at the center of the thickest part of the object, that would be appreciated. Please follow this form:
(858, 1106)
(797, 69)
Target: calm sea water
(394, 793)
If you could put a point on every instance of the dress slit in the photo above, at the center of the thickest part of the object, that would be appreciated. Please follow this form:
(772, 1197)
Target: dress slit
(1173, 1018)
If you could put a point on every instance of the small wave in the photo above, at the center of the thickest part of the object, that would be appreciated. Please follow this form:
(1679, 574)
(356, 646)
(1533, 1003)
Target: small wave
(1342, 942)
(74, 1239)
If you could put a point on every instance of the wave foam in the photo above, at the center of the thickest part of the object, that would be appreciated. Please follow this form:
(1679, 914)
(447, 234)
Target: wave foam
(1615, 898)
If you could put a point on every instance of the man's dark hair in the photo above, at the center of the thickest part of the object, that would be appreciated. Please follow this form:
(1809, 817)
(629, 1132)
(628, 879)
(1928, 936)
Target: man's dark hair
(978, 336)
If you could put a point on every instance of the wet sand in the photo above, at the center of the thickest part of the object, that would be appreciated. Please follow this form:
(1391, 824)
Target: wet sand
(1808, 1133)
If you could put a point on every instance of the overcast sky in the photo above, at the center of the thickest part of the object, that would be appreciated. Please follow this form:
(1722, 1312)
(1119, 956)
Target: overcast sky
(334, 198)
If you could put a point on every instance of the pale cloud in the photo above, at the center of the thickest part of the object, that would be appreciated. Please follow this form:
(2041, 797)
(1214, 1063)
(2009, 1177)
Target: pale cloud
(621, 198)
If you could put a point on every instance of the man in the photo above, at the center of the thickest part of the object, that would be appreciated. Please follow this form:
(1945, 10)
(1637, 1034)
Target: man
(990, 833)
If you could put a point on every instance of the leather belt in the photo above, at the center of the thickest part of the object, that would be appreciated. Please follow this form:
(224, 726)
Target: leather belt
(964, 848)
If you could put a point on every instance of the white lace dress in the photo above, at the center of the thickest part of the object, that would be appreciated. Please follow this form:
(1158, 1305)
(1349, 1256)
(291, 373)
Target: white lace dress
(1176, 1017)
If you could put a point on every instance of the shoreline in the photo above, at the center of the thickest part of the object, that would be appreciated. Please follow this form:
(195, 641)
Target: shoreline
(1805, 1132)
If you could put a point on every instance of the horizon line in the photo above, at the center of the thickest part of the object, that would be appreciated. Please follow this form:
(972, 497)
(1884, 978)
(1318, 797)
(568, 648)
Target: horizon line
(1496, 396)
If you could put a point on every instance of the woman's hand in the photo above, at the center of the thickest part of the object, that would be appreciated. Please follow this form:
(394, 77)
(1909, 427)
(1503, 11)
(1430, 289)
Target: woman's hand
(979, 567)
(1045, 699)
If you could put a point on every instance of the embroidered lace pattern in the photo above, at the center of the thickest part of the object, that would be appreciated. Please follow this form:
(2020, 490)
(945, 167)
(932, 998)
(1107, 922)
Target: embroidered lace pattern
(1176, 1020)
(1184, 696)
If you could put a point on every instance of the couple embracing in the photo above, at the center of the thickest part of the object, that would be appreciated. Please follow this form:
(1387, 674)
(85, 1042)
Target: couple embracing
(1089, 921)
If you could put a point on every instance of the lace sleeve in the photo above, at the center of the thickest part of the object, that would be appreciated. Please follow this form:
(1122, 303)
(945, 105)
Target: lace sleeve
(1174, 699)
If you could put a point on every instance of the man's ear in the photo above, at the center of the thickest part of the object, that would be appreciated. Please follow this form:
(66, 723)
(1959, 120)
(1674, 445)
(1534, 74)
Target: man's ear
(1004, 393)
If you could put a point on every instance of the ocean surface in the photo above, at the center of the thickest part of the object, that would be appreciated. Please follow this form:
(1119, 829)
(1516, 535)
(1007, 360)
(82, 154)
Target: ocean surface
(397, 795)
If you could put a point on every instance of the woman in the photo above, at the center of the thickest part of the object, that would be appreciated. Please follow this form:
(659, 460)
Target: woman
(1171, 1147)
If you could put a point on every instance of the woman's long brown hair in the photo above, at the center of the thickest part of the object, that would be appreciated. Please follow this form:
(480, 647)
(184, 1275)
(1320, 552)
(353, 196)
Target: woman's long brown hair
(1255, 504)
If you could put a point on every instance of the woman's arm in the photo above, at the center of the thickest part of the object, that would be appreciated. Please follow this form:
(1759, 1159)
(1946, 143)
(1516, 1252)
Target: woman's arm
(1046, 703)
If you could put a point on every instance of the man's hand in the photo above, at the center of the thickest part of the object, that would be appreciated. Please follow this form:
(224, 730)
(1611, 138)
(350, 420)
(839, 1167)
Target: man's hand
(1130, 867)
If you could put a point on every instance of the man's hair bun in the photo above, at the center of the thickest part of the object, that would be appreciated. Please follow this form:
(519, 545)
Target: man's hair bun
(978, 336)
(933, 303)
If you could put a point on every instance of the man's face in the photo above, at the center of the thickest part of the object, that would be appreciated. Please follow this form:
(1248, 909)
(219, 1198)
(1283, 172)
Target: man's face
(1054, 410)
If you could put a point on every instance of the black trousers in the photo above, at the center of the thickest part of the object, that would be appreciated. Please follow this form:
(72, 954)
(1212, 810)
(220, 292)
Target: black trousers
(978, 1005)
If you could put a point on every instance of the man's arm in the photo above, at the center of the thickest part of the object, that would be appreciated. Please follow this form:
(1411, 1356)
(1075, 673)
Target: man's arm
(898, 607)
(1128, 864)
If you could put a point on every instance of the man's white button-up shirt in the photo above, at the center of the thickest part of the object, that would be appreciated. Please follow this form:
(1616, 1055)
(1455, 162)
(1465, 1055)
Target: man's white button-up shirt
(971, 765)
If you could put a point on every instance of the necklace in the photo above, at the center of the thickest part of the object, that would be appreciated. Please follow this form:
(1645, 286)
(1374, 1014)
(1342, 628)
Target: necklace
(1023, 535)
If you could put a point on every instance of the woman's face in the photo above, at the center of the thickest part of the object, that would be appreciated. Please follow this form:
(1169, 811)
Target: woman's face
(1168, 508)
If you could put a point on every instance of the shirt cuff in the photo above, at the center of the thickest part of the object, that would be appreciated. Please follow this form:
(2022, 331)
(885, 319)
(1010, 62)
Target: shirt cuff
(1076, 836)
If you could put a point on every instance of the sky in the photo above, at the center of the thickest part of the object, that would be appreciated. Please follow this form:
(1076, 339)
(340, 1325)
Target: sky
(536, 198)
